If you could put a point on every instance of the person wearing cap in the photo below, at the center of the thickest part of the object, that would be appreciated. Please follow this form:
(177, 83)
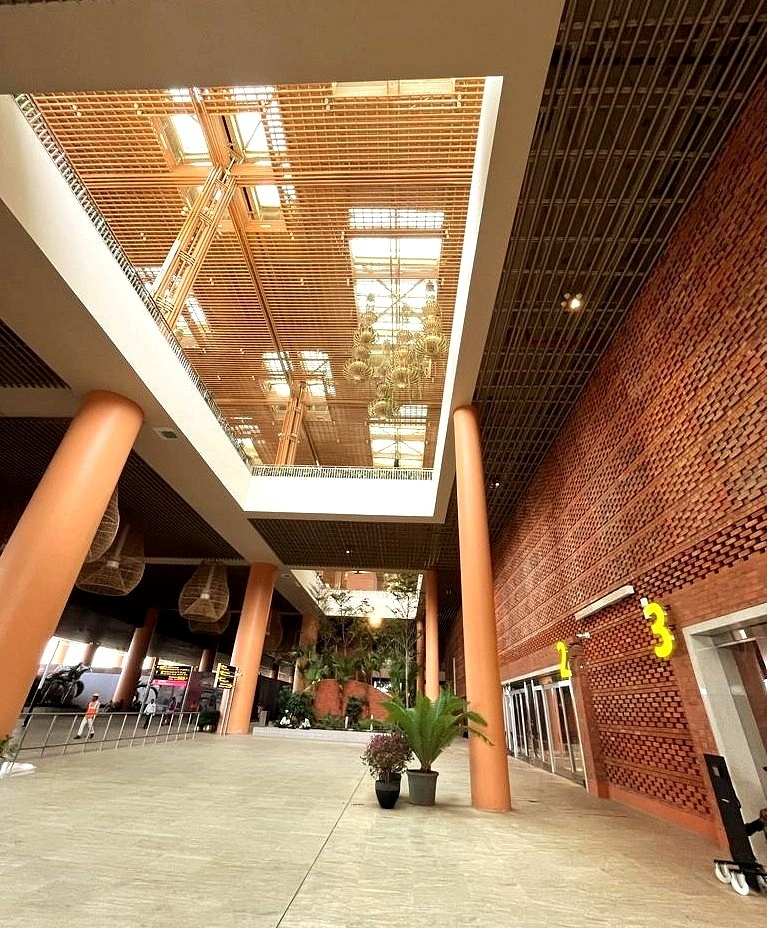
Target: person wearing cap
(90, 714)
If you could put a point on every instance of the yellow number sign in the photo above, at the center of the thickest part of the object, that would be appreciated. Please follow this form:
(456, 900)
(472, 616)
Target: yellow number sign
(656, 615)
(564, 671)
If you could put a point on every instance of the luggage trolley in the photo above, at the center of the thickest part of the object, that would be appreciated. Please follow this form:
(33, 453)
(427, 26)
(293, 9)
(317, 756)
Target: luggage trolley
(743, 872)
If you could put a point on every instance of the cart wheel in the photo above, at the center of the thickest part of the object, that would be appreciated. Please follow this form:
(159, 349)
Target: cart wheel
(722, 872)
(739, 884)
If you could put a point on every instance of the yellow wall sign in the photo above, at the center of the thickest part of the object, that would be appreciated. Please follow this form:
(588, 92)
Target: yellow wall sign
(656, 615)
(564, 671)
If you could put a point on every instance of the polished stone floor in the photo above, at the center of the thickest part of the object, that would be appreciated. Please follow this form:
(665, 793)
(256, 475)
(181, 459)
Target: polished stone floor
(215, 832)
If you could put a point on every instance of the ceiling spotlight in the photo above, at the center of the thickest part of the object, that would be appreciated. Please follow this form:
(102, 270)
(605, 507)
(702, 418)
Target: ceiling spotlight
(348, 550)
(572, 304)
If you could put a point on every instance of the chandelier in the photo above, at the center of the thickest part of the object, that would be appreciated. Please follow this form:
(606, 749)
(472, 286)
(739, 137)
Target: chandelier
(397, 358)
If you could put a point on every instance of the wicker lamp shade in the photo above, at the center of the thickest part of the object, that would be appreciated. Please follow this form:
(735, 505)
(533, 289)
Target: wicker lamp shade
(106, 532)
(211, 628)
(205, 596)
(118, 571)
(273, 632)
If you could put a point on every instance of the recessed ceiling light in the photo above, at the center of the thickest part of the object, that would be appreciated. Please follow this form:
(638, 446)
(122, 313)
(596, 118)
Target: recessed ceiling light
(572, 303)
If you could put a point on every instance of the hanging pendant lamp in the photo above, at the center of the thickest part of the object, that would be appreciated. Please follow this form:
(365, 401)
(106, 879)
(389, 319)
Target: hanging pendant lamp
(205, 596)
(120, 569)
(106, 532)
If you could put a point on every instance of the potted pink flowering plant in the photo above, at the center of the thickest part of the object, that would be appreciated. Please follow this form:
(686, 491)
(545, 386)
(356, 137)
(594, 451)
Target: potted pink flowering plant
(387, 756)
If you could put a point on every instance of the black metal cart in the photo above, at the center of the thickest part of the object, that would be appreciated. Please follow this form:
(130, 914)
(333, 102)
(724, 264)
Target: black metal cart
(744, 872)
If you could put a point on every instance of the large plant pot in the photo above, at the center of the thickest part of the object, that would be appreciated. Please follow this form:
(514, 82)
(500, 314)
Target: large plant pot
(387, 792)
(422, 786)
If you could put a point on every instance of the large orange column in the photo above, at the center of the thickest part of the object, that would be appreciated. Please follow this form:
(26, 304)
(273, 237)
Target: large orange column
(90, 652)
(432, 636)
(44, 554)
(249, 645)
(134, 660)
(420, 652)
(206, 660)
(488, 762)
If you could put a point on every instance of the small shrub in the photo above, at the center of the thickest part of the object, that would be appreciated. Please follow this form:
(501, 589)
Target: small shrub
(387, 754)
(297, 709)
(355, 706)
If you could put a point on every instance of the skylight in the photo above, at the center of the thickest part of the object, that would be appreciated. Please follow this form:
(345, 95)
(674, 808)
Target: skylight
(419, 256)
(374, 218)
(252, 133)
(440, 86)
(396, 445)
(191, 140)
(317, 363)
(268, 195)
(277, 362)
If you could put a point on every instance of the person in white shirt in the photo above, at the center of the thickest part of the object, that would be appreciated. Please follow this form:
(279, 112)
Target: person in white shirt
(149, 710)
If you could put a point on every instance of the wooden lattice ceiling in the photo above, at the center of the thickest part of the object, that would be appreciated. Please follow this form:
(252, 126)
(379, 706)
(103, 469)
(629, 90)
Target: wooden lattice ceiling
(280, 277)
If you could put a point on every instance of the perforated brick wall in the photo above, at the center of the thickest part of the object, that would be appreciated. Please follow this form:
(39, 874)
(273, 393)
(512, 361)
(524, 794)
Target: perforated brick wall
(658, 480)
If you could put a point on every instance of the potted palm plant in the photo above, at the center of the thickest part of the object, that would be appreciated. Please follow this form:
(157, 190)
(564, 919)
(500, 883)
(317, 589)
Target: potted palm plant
(387, 755)
(430, 727)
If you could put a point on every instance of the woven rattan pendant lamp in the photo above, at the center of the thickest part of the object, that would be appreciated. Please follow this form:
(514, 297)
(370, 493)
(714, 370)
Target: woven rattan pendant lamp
(120, 570)
(106, 532)
(205, 596)
(211, 628)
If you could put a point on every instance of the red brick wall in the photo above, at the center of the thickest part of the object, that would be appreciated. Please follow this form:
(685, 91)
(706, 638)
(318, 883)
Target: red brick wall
(328, 699)
(658, 480)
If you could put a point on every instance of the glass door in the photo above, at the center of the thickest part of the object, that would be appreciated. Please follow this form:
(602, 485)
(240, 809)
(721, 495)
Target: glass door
(541, 725)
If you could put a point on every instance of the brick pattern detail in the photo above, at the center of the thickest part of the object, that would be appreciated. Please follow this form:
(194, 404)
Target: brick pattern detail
(658, 479)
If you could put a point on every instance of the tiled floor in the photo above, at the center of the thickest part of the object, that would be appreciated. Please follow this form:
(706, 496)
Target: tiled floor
(238, 833)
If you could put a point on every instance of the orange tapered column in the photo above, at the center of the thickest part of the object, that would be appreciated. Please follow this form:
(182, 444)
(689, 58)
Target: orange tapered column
(44, 554)
(134, 660)
(432, 636)
(420, 655)
(60, 654)
(249, 645)
(488, 763)
(90, 652)
(207, 659)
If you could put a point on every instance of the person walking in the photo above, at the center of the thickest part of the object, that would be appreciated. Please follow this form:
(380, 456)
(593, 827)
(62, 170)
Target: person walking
(171, 708)
(149, 710)
(91, 712)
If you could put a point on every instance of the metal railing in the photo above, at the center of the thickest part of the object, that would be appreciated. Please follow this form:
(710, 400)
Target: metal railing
(59, 733)
(359, 473)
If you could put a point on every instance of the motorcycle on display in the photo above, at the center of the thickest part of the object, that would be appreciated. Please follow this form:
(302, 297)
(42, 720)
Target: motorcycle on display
(63, 686)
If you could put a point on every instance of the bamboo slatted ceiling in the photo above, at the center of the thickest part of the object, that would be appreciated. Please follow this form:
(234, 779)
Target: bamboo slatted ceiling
(316, 168)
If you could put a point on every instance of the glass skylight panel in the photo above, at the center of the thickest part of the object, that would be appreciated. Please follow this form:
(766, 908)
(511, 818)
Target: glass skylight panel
(268, 195)
(250, 128)
(412, 412)
(190, 136)
(375, 218)
(434, 86)
(196, 313)
(252, 94)
(180, 95)
(316, 362)
(277, 387)
(395, 255)
(276, 362)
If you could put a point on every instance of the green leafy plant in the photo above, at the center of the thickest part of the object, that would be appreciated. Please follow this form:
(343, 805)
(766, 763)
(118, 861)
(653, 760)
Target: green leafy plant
(8, 748)
(430, 727)
(354, 709)
(386, 755)
(297, 708)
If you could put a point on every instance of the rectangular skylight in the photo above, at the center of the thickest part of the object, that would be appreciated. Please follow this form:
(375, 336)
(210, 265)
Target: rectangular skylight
(375, 218)
(317, 363)
(277, 362)
(267, 195)
(190, 136)
(251, 132)
(396, 255)
(439, 86)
